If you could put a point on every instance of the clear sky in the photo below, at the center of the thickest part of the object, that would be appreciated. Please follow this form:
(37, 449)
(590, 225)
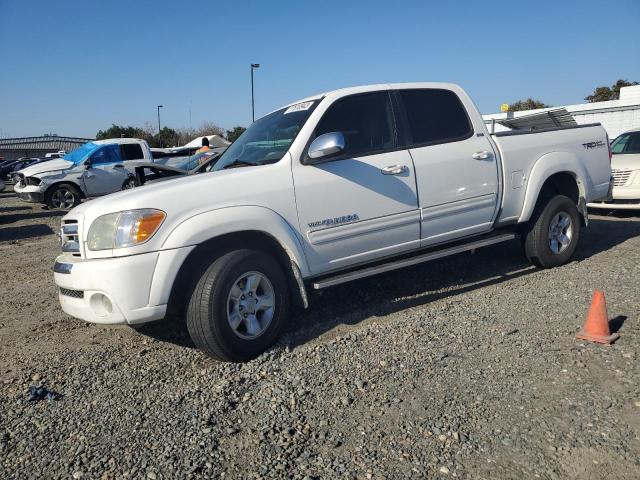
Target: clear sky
(73, 67)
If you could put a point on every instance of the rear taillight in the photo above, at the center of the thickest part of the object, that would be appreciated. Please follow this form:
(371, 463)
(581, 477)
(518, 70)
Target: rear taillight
(609, 147)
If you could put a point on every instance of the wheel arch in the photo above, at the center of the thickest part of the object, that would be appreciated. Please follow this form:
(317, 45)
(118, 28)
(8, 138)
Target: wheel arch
(50, 188)
(201, 256)
(558, 173)
(216, 232)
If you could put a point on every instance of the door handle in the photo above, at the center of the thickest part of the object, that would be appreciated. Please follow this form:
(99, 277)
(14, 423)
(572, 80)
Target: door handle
(394, 169)
(118, 166)
(482, 155)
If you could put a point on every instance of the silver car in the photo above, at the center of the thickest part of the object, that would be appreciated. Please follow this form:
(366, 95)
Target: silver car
(94, 169)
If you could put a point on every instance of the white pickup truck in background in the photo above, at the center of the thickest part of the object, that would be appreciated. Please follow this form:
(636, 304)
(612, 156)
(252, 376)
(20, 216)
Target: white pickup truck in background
(93, 169)
(332, 188)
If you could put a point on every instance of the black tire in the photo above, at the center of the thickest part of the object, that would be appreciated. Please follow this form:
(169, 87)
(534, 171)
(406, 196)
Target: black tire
(55, 195)
(538, 246)
(207, 313)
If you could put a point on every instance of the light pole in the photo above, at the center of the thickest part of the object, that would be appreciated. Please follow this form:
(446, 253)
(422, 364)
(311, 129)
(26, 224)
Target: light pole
(253, 108)
(159, 137)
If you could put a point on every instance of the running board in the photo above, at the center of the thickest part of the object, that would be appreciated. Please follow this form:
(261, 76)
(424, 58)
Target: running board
(406, 262)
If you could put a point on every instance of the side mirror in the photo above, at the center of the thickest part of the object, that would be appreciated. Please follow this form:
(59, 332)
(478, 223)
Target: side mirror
(87, 164)
(325, 146)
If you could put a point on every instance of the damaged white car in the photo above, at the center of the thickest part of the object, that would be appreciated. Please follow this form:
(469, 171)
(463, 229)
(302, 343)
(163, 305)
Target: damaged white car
(94, 169)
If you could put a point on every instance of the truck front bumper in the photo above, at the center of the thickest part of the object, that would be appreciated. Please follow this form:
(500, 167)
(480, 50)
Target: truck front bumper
(30, 193)
(110, 290)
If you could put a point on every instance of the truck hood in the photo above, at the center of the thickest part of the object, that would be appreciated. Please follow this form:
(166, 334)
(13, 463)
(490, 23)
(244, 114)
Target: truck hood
(189, 195)
(626, 161)
(48, 166)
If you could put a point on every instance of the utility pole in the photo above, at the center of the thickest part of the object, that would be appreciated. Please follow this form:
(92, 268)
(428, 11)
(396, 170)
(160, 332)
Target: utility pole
(253, 107)
(159, 137)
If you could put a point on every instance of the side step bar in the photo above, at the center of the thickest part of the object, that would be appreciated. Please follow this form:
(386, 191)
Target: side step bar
(406, 262)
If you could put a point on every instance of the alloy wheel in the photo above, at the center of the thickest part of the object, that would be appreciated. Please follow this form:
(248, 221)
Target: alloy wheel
(560, 232)
(63, 198)
(251, 305)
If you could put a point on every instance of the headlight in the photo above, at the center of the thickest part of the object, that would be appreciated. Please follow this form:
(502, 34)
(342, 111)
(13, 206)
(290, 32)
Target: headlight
(35, 181)
(124, 229)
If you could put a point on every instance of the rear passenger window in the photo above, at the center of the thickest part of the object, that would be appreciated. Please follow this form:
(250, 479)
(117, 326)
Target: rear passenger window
(435, 116)
(132, 151)
(366, 121)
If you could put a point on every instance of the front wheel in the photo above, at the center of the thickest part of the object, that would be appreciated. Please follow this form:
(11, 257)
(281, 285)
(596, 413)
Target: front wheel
(553, 232)
(63, 197)
(239, 306)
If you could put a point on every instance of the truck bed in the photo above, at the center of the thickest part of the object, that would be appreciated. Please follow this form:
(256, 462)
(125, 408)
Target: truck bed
(528, 154)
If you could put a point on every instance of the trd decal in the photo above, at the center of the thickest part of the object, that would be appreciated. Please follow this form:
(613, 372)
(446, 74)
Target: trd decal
(590, 145)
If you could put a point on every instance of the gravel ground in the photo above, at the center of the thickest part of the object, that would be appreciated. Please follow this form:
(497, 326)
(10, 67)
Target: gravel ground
(463, 368)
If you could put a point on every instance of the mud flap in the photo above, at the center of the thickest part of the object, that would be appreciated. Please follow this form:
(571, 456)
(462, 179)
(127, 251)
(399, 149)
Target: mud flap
(584, 213)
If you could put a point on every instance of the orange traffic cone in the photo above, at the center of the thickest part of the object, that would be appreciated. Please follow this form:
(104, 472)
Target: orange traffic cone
(596, 327)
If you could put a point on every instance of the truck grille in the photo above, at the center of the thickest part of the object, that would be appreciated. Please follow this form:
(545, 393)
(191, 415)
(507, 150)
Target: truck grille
(72, 293)
(70, 238)
(620, 177)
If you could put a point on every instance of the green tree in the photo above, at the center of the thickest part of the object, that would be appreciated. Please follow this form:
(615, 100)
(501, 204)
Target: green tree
(117, 131)
(528, 104)
(233, 134)
(166, 138)
(602, 94)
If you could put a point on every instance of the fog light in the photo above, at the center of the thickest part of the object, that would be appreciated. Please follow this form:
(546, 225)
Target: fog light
(101, 305)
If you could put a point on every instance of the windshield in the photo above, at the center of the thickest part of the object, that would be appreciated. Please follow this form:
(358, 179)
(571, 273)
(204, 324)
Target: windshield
(626, 143)
(81, 153)
(267, 139)
(190, 162)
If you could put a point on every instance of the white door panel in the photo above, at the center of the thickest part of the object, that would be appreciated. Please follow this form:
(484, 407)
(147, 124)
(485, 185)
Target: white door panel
(457, 187)
(104, 179)
(456, 166)
(105, 174)
(457, 219)
(351, 210)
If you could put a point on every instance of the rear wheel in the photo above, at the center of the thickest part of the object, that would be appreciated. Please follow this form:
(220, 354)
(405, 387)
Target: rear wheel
(553, 232)
(239, 306)
(62, 196)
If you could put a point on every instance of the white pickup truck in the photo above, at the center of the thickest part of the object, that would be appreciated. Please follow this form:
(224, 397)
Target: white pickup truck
(96, 168)
(332, 188)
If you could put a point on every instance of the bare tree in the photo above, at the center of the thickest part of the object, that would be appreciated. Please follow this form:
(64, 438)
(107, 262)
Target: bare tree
(185, 135)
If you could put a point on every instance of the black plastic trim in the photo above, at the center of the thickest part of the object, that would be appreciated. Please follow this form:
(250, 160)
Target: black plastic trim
(64, 268)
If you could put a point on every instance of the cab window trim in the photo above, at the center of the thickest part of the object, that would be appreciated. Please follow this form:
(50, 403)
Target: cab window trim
(406, 128)
(394, 132)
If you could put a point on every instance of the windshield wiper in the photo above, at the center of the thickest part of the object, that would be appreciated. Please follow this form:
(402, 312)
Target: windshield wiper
(239, 163)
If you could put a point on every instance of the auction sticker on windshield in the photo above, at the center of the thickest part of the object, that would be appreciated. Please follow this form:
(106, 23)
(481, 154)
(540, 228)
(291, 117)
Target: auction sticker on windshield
(298, 107)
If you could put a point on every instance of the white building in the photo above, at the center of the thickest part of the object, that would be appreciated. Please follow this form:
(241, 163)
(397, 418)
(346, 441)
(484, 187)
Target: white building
(616, 116)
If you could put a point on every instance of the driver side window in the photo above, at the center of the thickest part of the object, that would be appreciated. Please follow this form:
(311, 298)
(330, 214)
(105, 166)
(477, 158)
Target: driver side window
(365, 120)
(108, 154)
